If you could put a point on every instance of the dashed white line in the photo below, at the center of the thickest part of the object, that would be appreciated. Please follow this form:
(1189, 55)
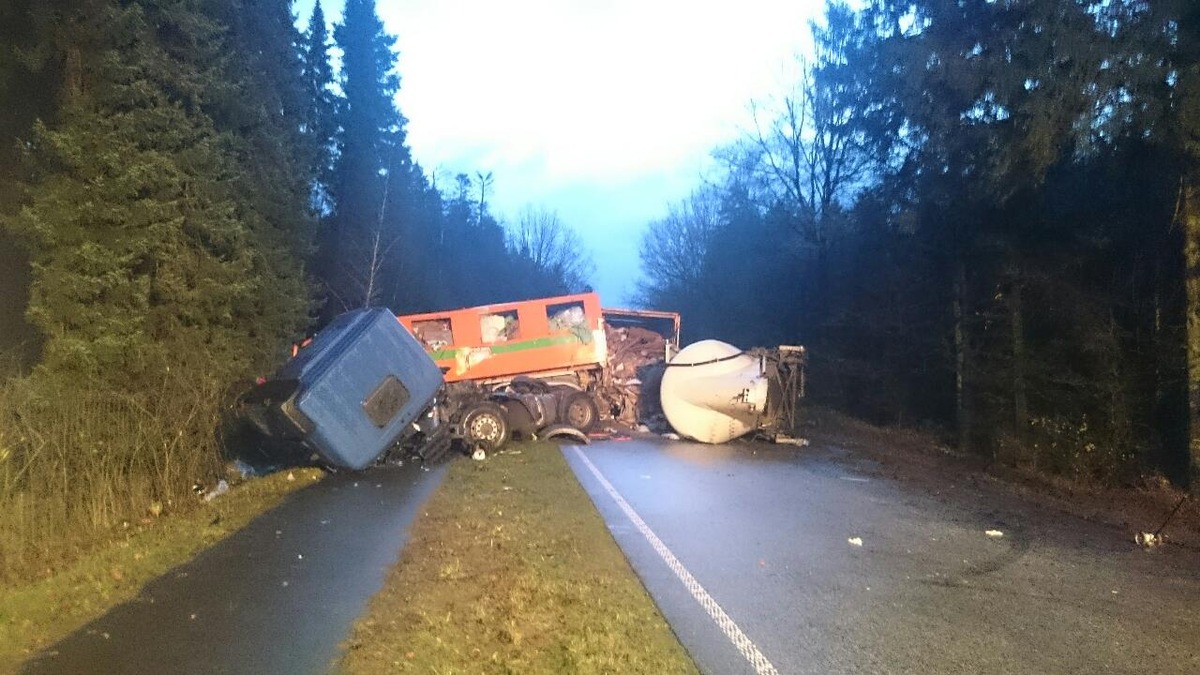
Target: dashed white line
(744, 645)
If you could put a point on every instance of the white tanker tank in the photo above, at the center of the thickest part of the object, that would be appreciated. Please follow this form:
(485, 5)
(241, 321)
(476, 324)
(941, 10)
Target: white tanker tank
(714, 392)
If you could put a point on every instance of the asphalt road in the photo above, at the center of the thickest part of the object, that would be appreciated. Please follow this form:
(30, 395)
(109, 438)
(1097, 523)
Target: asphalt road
(755, 569)
(277, 597)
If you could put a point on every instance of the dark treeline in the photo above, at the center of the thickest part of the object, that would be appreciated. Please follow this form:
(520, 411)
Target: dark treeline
(982, 217)
(194, 176)
(186, 188)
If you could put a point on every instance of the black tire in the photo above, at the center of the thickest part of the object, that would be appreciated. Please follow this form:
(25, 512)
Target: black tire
(579, 410)
(485, 426)
(523, 384)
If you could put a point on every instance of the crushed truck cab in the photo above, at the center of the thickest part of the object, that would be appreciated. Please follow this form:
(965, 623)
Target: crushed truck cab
(352, 393)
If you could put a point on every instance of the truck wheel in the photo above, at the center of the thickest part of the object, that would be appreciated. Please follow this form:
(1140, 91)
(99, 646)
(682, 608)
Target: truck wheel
(580, 411)
(485, 426)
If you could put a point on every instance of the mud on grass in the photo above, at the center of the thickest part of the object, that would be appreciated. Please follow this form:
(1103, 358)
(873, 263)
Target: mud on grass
(35, 615)
(510, 569)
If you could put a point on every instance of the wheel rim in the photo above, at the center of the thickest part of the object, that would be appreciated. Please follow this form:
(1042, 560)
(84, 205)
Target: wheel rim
(485, 427)
(579, 413)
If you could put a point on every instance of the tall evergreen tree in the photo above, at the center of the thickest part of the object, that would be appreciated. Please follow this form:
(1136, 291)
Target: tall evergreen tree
(320, 119)
(371, 152)
(161, 237)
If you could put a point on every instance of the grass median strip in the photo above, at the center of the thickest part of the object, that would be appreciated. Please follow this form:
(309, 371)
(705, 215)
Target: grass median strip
(510, 569)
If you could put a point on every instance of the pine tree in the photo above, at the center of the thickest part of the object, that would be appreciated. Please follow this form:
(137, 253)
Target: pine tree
(159, 238)
(320, 119)
(371, 156)
(258, 102)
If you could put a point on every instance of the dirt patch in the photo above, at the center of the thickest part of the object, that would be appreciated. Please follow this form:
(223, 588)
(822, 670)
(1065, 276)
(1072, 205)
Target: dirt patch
(37, 614)
(919, 458)
(511, 570)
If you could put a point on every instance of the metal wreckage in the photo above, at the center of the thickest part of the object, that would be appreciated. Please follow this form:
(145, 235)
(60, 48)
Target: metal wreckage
(372, 386)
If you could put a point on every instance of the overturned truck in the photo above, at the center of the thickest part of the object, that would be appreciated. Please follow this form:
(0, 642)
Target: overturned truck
(563, 358)
(714, 392)
(364, 388)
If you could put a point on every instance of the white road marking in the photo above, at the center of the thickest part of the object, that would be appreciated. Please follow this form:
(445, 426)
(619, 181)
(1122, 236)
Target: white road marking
(743, 644)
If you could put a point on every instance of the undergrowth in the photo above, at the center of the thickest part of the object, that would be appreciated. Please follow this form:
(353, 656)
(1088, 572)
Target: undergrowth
(78, 461)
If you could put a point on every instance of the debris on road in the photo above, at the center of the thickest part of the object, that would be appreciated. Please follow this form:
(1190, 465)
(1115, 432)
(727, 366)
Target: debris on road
(787, 440)
(855, 541)
(994, 534)
(1149, 540)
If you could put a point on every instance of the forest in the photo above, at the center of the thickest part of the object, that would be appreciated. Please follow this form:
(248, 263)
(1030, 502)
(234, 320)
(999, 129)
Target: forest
(187, 188)
(982, 217)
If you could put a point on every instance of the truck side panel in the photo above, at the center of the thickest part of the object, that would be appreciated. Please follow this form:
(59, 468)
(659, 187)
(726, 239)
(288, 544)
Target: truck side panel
(497, 342)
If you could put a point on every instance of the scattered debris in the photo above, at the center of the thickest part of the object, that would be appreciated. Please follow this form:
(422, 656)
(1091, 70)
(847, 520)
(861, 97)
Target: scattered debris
(479, 455)
(566, 432)
(788, 440)
(855, 541)
(636, 361)
(671, 436)
(244, 470)
(1150, 540)
(221, 488)
(994, 534)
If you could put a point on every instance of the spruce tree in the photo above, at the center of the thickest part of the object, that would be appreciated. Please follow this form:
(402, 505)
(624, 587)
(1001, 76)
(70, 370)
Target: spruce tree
(360, 240)
(158, 237)
(320, 118)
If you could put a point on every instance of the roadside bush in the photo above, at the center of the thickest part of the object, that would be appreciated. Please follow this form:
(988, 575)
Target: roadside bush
(77, 462)
(1075, 448)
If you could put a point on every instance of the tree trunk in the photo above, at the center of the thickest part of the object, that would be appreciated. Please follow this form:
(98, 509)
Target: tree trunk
(1190, 220)
(1019, 391)
(962, 410)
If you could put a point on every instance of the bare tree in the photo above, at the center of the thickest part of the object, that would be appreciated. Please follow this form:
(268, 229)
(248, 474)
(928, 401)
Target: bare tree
(552, 248)
(802, 153)
(674, 249)
(366, 256)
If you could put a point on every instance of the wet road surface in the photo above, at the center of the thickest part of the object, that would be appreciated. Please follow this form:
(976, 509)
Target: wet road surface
(746, 549)
(276, 597)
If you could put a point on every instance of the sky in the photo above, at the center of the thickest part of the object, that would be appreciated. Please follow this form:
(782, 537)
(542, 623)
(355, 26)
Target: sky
(604, 112)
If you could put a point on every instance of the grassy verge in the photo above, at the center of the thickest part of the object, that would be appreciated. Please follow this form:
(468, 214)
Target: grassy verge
(511, 570)
(35, 614)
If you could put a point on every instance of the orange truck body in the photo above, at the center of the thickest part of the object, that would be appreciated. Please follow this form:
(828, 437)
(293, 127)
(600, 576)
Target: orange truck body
(544, 338)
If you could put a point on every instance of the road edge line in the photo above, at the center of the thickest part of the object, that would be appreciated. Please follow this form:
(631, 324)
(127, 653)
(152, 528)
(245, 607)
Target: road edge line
(745, 646)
